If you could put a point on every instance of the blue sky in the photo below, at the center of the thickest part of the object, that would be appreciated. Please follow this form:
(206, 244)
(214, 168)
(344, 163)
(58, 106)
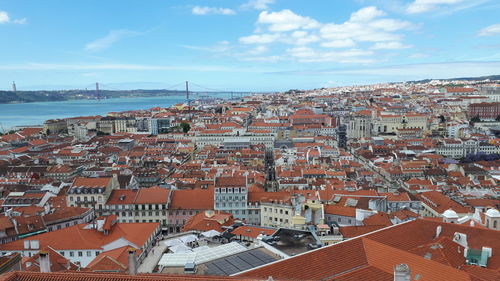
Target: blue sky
(255, 45)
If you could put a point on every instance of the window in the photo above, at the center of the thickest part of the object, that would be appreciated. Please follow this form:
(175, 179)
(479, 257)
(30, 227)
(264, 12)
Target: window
(80, 253)
(96, 253)
(71, 254)
(89, 253)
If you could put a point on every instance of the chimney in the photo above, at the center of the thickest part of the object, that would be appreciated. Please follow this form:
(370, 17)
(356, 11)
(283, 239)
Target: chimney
(402, 272)
(438, 231)
(132, 262)
(44, 261)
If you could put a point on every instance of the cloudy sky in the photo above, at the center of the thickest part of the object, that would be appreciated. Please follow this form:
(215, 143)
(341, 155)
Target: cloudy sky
(251, 45)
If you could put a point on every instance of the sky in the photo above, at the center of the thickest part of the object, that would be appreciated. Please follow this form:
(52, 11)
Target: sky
(244, 45)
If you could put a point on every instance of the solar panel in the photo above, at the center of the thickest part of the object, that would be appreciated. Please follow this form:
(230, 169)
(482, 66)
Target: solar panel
(238, 262)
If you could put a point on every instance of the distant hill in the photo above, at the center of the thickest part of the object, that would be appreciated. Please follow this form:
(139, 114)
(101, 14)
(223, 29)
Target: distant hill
(41, 96)
(480, 78)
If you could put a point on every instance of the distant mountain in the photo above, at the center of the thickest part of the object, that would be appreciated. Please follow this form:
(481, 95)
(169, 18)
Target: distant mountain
(480, 78)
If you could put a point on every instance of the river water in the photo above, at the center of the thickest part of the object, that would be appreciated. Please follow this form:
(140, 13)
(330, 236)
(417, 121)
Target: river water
(22, 114)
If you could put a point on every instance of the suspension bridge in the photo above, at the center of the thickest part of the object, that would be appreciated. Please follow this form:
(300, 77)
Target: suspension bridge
(191, 90)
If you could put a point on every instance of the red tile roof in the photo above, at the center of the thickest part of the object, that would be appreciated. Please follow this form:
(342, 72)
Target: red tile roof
(440, 202)
(153, 195)
(355, 231)
(340, 210)
(86, 276)
(193, 199)
(57, 262)
(252, 231)
(383, 250)
(209, 220)
(77, 237)
(380, 218)
(113, 260)
(91, 182)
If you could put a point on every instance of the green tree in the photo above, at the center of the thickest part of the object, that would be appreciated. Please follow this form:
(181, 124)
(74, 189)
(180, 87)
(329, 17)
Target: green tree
(475, 119)
(185, 127)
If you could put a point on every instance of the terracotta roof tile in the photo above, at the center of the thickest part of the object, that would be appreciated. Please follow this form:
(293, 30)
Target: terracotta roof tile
(77, 237)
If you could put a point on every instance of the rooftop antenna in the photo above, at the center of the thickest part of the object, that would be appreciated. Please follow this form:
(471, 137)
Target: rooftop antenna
(14, 89)
(97, 94)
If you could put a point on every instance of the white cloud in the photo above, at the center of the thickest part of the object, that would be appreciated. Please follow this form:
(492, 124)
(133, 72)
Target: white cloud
(364, 26)
(286, 20)
(260, 39)
(199, 10)
(389, 46)
(268, 59)
(422, 6)
(108, 40)
(300, 37)
(257, 4)
(20, 21)
(491, 30)
(366, 14)
(345, 43)
(307, 54)
(5, 18)
(419, 56)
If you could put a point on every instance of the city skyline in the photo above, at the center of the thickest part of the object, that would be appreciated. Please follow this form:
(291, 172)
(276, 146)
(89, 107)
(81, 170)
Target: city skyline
(257, 45)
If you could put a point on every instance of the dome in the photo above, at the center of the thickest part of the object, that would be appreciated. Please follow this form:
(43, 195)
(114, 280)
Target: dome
(450, 214)
(493, 213)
